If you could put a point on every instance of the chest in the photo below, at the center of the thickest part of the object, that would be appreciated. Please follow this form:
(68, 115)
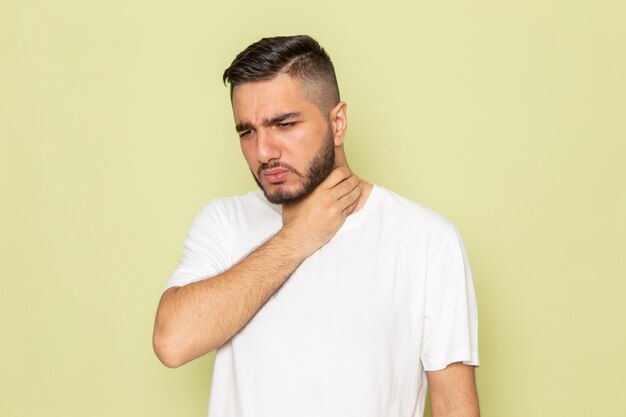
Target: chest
(365, 286)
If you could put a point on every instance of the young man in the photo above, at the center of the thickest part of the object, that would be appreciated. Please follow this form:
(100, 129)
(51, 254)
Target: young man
(324, 295)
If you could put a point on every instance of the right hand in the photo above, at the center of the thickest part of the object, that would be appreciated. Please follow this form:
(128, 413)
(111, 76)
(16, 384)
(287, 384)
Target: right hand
(316, 218)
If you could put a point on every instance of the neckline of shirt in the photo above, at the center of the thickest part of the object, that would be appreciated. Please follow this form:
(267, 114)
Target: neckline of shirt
(361, 215)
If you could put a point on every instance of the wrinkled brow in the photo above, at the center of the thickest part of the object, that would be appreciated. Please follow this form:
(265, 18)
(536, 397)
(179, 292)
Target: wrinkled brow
(267, 122)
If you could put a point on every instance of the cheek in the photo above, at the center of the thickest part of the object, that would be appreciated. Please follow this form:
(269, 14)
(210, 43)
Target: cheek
(299, 143)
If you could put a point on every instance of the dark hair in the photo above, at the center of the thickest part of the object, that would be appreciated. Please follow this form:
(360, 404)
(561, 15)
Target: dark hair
(299, 56)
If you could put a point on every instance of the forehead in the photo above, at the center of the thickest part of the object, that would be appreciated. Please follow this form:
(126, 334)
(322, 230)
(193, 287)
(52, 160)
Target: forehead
(256, 100)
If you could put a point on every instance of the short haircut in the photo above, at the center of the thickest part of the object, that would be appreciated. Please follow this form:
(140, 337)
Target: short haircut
(299, 56)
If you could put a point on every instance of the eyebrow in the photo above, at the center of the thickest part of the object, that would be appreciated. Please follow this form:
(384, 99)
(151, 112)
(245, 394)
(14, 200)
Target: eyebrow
(241, 126)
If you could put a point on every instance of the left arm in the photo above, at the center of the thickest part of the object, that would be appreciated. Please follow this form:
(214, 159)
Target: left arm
(453, 391)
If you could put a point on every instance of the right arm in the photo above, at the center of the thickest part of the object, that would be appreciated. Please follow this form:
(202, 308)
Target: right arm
(199, 317)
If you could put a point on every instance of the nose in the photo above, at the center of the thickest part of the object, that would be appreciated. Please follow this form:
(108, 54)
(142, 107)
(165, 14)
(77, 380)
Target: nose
(267, 146)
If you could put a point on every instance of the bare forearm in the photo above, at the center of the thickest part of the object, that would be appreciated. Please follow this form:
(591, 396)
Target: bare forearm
(453, 391)
(199, 317)
(468, 409)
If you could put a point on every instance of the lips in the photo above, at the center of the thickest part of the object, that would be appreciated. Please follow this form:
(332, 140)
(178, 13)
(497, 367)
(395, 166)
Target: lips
(275, 175)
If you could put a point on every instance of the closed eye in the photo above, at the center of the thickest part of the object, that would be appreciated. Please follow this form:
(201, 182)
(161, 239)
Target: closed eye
(245, 133)
(286, 125)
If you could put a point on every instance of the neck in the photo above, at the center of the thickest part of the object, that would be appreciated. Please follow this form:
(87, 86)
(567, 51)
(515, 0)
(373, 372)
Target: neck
(341, 161)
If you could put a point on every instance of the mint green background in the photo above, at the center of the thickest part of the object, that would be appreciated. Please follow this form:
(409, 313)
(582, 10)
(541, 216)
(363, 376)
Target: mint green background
(507, 117)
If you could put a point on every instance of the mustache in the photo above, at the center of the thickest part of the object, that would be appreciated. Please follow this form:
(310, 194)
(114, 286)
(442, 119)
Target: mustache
(277, 164)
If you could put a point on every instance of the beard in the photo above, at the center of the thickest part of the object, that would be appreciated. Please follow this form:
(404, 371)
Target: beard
(320, 167)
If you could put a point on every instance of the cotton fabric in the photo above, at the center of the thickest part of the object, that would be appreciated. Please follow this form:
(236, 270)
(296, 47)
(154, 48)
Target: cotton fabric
(354, 329)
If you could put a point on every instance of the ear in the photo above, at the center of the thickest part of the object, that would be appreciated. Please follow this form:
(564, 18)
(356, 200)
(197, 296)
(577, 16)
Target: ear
(339, 122)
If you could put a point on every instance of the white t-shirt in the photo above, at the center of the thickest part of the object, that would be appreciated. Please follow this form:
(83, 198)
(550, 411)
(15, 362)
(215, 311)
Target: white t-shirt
(355, 327)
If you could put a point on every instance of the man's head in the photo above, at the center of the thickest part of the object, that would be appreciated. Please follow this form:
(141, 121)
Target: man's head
(288, 114)
(301, 57)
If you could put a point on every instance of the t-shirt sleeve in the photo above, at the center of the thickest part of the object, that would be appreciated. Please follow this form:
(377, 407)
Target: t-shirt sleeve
(205, 250)
(451, 316)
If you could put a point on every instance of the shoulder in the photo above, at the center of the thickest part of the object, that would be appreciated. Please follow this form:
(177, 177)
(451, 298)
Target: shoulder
(250, 201)
(416, 229)
(413, 215)
(233, 209)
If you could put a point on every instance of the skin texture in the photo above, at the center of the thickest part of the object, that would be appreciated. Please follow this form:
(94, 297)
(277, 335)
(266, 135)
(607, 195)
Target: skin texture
(453, 391)
(320, 166)
(202, 316)
(280, 127)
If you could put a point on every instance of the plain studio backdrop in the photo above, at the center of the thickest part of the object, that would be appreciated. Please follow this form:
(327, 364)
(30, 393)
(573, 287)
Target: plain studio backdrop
(507, 117)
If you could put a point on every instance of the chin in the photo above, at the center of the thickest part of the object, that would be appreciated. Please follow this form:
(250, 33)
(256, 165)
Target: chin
(279, 194)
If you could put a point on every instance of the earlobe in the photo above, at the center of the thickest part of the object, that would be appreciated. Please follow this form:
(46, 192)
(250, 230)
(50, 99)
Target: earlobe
(339, 122)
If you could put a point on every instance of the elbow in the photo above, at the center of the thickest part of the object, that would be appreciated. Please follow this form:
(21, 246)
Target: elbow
(166, 350)
(173, 343)
(172, 353)
(165, 344)
(170, 361)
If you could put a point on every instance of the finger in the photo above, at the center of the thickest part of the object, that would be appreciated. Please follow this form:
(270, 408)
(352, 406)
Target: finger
(348, 202)
(335, 177)
(345, 186)
(351, 208)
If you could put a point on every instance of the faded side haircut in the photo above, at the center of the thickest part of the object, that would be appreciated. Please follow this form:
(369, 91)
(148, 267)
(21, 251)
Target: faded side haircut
(299, 56)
